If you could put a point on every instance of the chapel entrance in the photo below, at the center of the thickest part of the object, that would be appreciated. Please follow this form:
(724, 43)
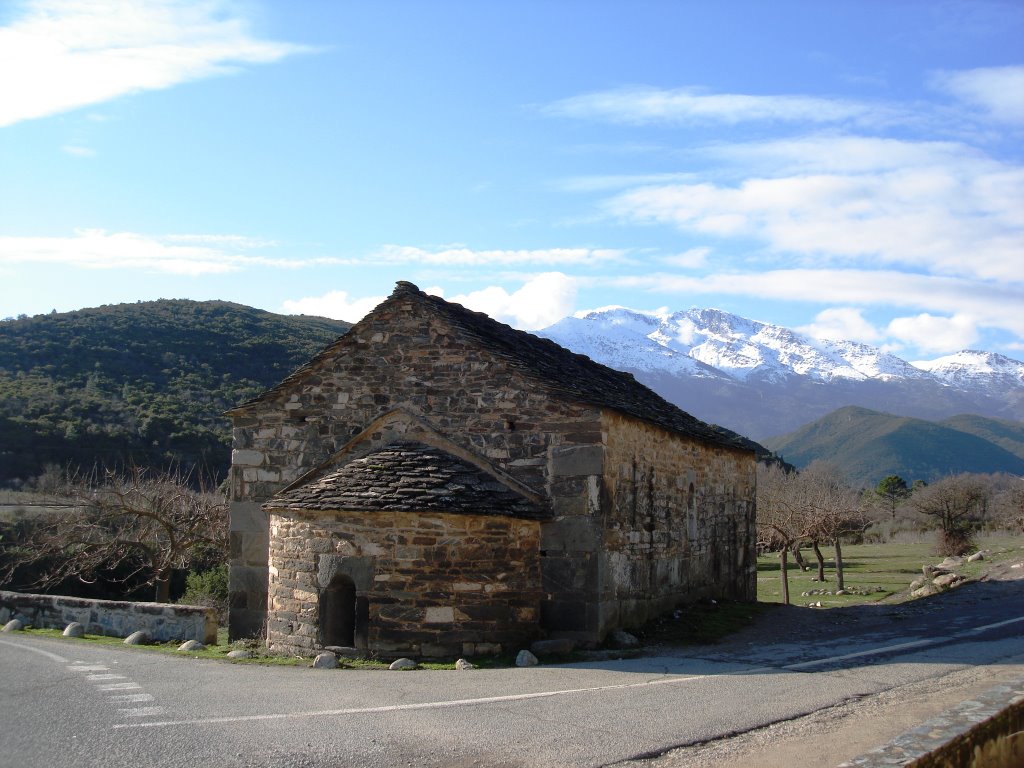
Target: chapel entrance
(338, 612)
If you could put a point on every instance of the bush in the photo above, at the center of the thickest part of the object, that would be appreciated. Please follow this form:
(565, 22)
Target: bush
(209, 589)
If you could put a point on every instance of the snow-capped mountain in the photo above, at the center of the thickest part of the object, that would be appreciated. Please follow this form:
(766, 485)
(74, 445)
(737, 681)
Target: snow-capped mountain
(761, 379)
(972, 369)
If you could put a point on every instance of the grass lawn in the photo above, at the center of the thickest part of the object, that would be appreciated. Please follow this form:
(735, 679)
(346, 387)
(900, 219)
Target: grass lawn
(872, 572)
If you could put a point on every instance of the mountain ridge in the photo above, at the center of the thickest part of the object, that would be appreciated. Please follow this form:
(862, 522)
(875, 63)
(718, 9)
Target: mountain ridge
(870, 445)
(762, 380)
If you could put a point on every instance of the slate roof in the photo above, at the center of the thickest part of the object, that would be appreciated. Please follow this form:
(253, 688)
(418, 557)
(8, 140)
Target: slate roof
(409, 476)
(557, 369)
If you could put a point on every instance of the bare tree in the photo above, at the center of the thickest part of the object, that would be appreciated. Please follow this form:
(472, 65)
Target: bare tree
(1008, 502)
(835, 510)
(138, 525)
(958, 504)
(781, 519)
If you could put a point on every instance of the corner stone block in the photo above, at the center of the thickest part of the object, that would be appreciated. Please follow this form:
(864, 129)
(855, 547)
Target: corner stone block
(572, 461)
(243, 457)
(248, 517)
(244, 578)
(571, 534)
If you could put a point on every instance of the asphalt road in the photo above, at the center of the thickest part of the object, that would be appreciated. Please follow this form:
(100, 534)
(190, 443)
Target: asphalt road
(66, 702)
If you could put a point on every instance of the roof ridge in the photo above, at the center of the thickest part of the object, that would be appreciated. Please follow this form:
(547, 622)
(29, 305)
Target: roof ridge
(559, 370)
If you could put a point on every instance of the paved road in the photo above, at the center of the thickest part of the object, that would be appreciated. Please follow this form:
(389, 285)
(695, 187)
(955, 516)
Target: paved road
(68, 702)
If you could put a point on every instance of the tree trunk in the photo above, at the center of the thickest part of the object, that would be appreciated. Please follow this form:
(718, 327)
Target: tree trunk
(163, 587)
(784, 575)
(798, 557)
(821, 560)
(839, 564)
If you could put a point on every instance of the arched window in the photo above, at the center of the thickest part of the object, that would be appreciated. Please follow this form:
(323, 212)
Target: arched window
(338, 612)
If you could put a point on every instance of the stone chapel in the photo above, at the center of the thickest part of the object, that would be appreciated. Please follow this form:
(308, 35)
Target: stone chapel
(435, 483)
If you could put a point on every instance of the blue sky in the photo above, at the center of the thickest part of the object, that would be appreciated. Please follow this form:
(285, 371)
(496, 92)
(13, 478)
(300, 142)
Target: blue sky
(850, 169)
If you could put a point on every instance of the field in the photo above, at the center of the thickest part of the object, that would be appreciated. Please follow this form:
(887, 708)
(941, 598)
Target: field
(872, 572)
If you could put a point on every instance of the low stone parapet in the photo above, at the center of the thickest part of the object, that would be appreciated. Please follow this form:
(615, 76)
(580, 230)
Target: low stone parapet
(115, 618)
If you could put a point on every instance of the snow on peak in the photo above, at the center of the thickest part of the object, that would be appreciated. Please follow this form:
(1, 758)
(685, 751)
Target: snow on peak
(971, 367)
(713, 343)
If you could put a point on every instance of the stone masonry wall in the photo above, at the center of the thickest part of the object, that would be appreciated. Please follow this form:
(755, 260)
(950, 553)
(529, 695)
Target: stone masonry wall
(400, 359)
(662, 543)
(115, 618)
(436, 584)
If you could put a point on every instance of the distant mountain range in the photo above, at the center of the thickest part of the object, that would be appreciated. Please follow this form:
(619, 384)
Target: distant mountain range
(869, 445)
(148, 383)
(763, 380)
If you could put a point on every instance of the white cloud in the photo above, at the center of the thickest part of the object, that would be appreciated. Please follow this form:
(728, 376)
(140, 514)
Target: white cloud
(190, 255)
(989, 304)
(335, 304)
(78, 151)
(543, 300)
(929, 216)
(844, 154)
(997, 90)
(930, 333)
(641, 105)
(462, 256)
(846, 323)
(608, 182)
(60, 55)
(691, 259)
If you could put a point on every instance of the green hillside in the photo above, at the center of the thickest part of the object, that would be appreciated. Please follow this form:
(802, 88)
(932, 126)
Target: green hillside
(1008, 435)
(144, 383)
(869, 445)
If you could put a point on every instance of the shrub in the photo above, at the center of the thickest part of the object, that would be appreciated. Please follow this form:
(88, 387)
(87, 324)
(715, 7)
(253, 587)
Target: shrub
(209, 589)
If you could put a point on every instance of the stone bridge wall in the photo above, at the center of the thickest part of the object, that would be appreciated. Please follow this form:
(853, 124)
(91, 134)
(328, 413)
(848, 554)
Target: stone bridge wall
(115, 618)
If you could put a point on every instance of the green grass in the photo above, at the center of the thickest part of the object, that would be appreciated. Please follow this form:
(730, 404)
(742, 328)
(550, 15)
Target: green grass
(219, 652)
(873, 572)
(701, 623)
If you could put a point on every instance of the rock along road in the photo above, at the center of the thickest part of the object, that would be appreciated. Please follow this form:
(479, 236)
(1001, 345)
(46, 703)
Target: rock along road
(67, 702)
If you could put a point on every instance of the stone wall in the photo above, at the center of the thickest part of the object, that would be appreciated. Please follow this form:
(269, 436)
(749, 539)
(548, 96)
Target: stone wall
(115, 618)
(413, 368)
(434, 584)
(679, 522)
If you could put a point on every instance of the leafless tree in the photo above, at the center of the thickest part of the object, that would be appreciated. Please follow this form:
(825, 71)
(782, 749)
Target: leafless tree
(1008, 502)
(137, 524)
(835, 510)
(781, 520)
(959, 505)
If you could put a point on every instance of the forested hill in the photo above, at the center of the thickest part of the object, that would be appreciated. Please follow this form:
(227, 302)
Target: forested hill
(144, 383)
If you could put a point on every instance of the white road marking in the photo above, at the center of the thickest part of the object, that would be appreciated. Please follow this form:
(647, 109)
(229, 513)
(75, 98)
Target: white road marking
(131, 698)
(564, 692)
(869, 652)
(998, 624)
(119, 687)
(110, 676)
(79, 667)
(47, 654)
(409, 707)
(142, 711)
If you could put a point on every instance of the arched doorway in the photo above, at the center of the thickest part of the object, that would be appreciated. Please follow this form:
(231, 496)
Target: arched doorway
(338, 612)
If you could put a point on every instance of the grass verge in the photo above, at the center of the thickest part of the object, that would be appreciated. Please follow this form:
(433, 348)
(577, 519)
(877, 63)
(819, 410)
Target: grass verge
(872, 572)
